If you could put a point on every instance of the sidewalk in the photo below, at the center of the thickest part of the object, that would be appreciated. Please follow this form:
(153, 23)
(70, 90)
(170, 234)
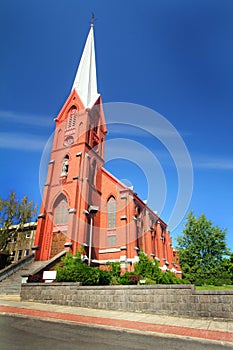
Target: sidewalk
(198, 329)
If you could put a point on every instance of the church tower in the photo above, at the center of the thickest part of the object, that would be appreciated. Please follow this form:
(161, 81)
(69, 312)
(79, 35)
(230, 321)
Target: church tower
(84, 205)
(73, 184)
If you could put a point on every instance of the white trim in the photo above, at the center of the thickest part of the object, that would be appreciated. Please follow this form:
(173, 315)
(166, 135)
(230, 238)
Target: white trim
(109, 250)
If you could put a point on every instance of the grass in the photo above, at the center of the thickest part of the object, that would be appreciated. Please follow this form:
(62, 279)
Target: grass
(226, 287)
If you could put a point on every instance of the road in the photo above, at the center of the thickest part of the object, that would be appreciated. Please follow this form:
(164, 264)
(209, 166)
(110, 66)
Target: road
(24, 333)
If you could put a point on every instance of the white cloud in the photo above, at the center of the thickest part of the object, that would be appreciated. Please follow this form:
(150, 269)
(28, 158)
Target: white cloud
(25, 119)
(20, 141)
(215, 164)
(134, 131)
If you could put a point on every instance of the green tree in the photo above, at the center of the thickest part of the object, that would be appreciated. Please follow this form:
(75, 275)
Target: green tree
(202, 249)
(14, 212)
(228, 265)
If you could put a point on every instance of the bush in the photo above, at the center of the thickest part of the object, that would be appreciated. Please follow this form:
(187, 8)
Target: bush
(124, 279)
(169, 278)
(115, 269)
(74, 270)
(105, 278)
(150, 271)
(134, 279)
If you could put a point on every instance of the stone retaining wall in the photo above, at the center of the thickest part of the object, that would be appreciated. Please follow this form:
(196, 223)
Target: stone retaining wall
(176, 300)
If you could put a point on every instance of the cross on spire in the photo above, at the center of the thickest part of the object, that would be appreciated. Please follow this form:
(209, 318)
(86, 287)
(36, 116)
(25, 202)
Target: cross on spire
(92, 19)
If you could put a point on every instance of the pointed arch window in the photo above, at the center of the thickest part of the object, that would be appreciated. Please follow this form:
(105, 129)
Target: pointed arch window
(111, 212)
(72, 118)
(61, 211)
(93, 171)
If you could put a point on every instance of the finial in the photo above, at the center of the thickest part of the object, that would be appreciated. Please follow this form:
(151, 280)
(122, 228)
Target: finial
(92, 19)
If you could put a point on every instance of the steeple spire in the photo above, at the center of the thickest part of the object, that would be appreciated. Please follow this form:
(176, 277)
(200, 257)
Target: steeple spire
(85, 81)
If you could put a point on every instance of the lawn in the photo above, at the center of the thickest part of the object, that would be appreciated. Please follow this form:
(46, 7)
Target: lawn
(227, 287)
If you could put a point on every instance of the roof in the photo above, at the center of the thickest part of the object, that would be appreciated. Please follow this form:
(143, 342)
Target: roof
(85, 81)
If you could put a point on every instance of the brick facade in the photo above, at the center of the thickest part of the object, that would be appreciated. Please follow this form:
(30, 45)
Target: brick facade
(84, 205)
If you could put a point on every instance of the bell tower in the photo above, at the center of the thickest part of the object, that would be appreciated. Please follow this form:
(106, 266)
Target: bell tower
(73, 179)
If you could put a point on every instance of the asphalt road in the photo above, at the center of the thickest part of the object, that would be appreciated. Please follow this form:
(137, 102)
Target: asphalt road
(25, 333)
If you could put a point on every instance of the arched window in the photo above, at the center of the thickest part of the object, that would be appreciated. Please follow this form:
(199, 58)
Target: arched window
(61, 211)
(92, 174)
(72, 118)
(111, 212)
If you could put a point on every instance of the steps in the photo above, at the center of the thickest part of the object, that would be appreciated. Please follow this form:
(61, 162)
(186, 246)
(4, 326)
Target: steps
(12, 284)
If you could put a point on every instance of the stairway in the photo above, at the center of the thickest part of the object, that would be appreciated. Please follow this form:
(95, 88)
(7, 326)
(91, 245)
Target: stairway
(12, 284)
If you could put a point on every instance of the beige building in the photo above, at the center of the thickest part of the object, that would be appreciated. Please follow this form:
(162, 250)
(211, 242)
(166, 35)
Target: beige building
(22, 241)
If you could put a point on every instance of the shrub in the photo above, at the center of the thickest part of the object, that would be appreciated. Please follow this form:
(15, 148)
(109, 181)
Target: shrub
(150, 271)
(115, 269)
(134, 279)
(73, 269)
(124, 279)
(105, 278)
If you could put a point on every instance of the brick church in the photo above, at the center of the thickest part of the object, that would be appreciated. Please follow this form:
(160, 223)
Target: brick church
(84, 205)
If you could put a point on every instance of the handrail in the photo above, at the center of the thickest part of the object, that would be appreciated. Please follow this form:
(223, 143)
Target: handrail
(9, 270)
(47, 264)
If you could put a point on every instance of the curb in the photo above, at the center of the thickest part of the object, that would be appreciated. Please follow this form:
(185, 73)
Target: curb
(194, 334)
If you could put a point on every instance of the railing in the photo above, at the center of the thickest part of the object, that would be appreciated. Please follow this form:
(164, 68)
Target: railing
(11, 269)
(48, 264)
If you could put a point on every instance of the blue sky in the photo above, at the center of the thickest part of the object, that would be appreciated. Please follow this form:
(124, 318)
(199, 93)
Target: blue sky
(172, 56)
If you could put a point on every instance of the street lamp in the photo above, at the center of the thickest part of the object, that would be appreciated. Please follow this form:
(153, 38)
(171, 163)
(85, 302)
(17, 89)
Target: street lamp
(92, 210)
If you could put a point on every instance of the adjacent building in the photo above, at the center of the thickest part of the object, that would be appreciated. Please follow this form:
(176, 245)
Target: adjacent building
(22, 240)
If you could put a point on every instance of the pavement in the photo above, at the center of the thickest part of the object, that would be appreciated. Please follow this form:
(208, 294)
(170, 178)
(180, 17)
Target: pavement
(207, 330)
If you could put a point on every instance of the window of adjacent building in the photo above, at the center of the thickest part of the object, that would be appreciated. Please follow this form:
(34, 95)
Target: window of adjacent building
(111, 212)
(111, 240)
(61, 212)
(20, 254)
(14, 239)
(28, 235)
(26, 252)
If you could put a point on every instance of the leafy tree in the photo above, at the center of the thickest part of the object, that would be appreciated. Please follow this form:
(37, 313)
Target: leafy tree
(202, 248)
(14, 212)
(228, 265)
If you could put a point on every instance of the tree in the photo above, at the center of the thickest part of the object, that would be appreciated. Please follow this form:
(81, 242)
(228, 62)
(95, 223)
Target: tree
(228, 264)
(14, 212)
(202, 249)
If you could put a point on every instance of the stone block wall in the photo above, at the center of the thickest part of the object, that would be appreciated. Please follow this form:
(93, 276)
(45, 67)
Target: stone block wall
(175, 300)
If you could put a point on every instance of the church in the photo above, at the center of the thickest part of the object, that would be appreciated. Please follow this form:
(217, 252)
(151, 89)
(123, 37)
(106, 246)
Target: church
(84, 206)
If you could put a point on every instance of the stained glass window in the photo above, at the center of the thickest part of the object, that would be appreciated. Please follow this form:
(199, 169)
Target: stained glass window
(111, 212)
(61, 212)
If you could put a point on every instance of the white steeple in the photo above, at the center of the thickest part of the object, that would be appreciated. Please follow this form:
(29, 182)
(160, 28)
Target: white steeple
(85, 81)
